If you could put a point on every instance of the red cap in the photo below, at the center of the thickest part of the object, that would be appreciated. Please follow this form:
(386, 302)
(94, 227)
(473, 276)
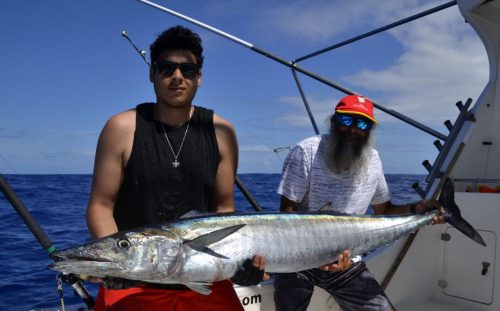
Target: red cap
(356, 104)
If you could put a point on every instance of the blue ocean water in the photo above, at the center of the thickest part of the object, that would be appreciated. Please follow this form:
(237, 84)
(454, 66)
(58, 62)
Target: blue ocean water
(58, 203)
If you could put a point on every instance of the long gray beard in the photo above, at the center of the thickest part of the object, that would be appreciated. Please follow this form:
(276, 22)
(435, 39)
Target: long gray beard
(349, 159)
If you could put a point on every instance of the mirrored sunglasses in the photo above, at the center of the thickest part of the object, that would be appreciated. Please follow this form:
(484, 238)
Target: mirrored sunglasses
(348, 120)
(167, 68)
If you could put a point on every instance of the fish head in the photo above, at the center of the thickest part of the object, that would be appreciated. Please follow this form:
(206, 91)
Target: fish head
(146, 254)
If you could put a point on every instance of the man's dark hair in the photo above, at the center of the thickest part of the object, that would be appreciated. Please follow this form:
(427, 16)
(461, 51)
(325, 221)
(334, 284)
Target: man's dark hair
(177, 38)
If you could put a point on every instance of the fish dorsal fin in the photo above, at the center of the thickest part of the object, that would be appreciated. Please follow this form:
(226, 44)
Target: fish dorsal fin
(327, 207)
(192, 213)
(200, 287)
(201, 243)
(195, 213)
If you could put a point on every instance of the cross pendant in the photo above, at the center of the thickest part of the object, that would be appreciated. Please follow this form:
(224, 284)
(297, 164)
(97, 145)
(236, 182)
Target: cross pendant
(175, 164)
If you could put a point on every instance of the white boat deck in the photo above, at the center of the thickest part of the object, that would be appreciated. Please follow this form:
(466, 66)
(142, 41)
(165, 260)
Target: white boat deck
(434, 306)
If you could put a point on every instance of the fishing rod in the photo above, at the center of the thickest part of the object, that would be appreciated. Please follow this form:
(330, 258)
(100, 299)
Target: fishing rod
(294, 66)
(43, 239)
(256, 206)
(142, 53)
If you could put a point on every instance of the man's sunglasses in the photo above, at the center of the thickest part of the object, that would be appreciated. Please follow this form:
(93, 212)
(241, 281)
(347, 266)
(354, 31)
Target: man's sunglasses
(347, 120)
(167, 68)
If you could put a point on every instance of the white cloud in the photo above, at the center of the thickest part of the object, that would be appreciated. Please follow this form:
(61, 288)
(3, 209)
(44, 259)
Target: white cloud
(443, 62)
(324, 20)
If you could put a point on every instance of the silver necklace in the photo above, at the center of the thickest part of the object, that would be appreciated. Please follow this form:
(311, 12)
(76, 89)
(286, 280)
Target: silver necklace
(176, 163)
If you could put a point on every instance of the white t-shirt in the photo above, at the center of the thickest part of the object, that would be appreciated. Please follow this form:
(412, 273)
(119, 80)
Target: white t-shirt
(307, 180)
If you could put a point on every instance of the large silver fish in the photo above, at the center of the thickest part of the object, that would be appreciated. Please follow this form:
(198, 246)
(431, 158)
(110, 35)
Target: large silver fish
(198, 250)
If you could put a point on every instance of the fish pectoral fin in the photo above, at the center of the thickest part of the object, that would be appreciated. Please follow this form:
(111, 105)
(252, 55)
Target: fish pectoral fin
(210, 251)
(202, 288)
(201, 243)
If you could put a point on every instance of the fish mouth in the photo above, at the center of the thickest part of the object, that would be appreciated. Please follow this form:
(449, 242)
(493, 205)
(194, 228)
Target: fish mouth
(87, 267)
(78, 264)
(75, 258)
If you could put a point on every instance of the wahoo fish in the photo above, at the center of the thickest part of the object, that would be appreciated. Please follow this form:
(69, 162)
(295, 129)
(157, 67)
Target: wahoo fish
(196, 251)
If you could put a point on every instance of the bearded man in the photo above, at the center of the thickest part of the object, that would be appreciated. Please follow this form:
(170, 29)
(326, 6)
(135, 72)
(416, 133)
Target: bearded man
(342, 172)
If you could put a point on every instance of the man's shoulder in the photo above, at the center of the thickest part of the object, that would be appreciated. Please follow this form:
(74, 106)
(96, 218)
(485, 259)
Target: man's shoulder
(373, 153)
(312, 141)
(222, 124)
(124, 115)
(123, 121)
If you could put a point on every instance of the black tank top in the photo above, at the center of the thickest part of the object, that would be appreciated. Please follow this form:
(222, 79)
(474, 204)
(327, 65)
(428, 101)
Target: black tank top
(153, 190)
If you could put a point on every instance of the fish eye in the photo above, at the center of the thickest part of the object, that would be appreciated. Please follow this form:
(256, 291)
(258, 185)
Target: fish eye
(123, 243)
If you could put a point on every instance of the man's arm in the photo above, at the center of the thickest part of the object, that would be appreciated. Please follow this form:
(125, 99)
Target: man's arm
(224, 182)
(287, 205)
(387, 208)
(112, 152)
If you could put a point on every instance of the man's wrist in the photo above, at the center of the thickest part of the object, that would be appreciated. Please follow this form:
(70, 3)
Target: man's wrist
(413, 208)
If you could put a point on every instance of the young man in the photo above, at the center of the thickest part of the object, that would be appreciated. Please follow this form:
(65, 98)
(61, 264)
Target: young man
(339, 171)
(159, 161)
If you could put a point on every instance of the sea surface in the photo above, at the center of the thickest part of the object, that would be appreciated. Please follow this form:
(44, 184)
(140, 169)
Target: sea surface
(58, 203)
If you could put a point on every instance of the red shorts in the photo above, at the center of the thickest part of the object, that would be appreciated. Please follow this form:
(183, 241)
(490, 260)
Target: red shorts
(223, 297)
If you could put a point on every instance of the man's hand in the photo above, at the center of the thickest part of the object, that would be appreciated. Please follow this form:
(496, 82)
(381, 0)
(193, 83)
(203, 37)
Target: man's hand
(343, 263)
(252, 272)
(428, 205)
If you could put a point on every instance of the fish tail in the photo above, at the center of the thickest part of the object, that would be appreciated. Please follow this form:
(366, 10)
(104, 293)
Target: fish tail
(453, 215)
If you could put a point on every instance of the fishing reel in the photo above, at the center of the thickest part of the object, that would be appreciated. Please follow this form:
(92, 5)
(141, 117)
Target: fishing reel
(77, 285)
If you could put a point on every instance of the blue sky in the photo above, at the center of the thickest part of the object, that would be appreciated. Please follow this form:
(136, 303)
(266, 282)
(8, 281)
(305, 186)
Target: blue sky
(65, 69)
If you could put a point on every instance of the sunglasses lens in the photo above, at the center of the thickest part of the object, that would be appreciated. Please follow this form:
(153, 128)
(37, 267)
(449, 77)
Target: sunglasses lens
(166, 69)
(363, 124)
(347, 120)
(344, 120)
(189, 70)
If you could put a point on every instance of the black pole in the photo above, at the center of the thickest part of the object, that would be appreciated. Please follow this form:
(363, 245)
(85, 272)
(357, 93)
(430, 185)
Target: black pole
(256, 206)
(378, 30)
(304, 99)
(43, 239)
(26, 216)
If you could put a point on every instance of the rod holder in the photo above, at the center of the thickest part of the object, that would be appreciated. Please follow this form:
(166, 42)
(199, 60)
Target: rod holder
(427, 165)
(418, 189)
(438, 145)
(448, 125)
(460, 106)
(469, 116)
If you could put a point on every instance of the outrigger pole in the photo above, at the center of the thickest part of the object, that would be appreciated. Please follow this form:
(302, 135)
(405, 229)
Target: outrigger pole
(294, 66)
(378, 30)
(237, 180)
(43, 239)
